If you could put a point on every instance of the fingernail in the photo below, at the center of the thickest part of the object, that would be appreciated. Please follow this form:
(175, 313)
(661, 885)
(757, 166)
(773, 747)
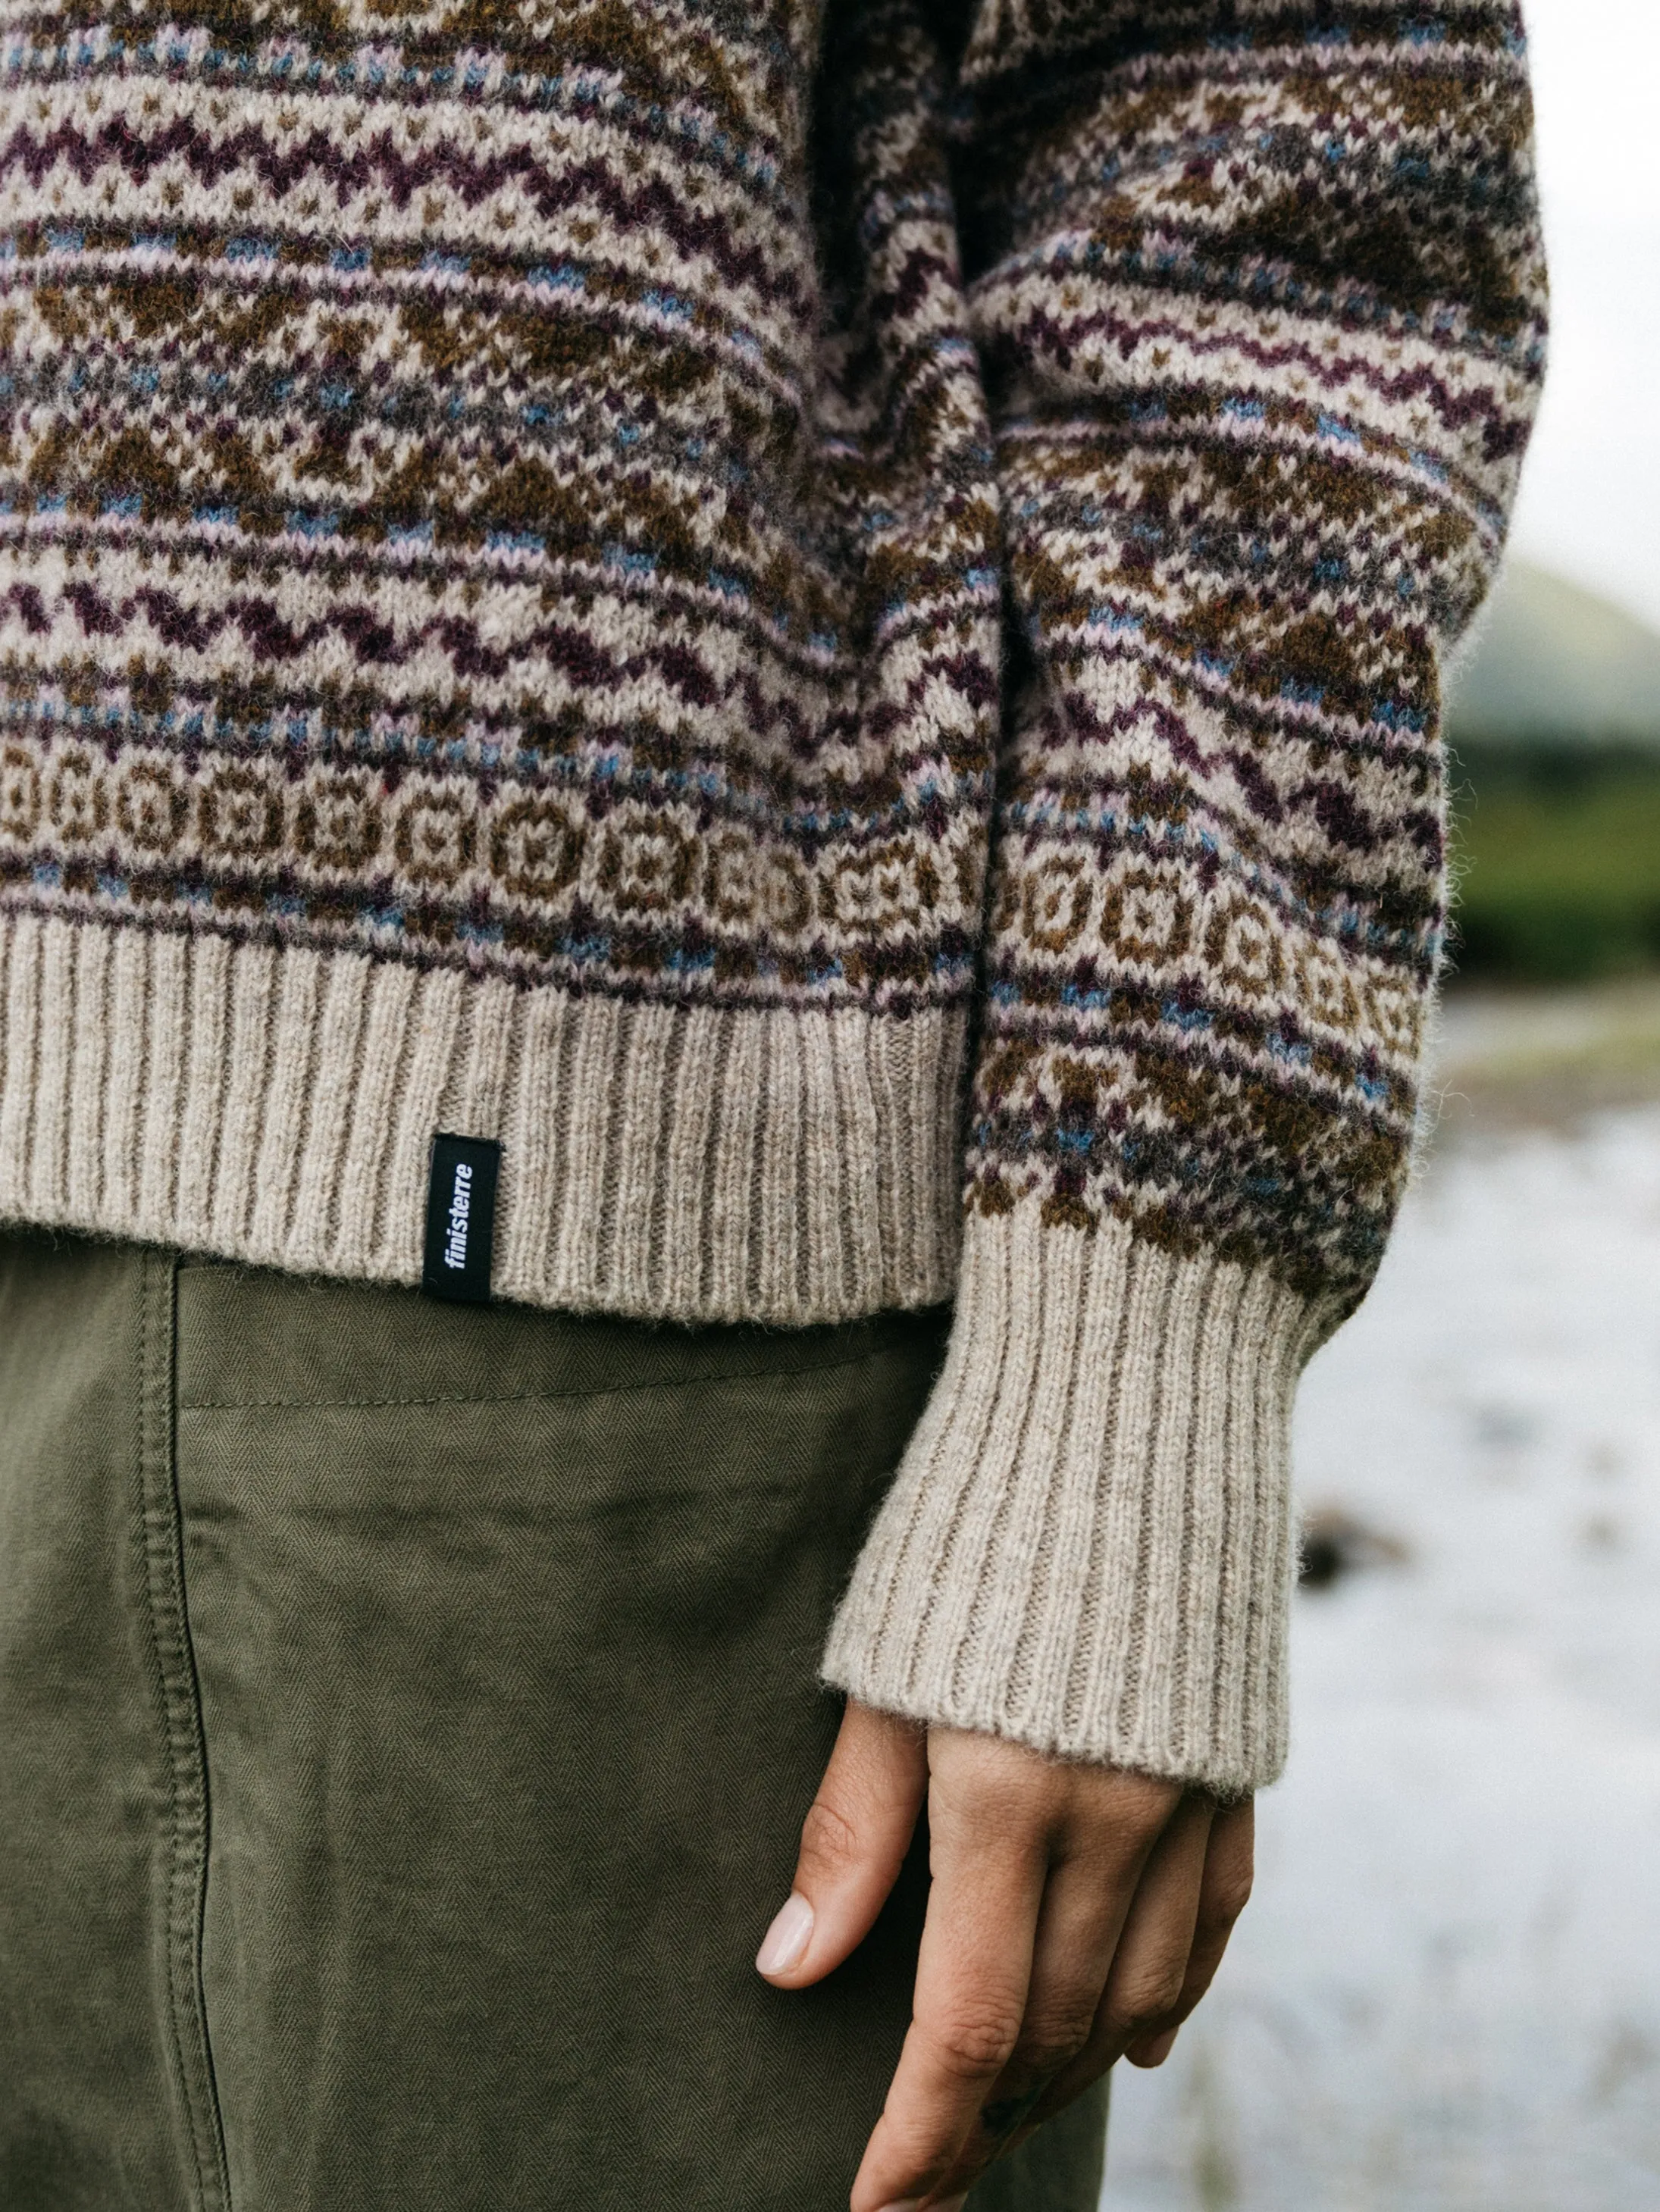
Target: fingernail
(785, 1943)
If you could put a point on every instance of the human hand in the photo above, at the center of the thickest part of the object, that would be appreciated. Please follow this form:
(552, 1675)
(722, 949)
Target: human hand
(1076, 1916)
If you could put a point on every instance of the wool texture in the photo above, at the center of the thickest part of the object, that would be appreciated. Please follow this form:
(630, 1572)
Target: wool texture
(827, 619)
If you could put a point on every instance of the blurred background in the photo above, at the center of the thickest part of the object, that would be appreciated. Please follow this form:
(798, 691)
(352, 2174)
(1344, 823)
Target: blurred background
(1445, 1996)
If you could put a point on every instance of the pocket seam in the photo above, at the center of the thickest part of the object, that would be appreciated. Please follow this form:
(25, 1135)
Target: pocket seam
(184, 1833)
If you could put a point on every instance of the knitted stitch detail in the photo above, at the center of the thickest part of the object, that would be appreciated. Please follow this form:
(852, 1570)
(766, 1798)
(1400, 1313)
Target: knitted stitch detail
(656, 522)
(1089, 1546)
(278, 1105)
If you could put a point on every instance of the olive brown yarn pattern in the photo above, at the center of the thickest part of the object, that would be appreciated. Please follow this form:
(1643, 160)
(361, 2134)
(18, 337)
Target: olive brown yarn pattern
(828, 621)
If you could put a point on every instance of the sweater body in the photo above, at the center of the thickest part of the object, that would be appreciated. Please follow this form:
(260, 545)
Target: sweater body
(470, 665)
(828, 626)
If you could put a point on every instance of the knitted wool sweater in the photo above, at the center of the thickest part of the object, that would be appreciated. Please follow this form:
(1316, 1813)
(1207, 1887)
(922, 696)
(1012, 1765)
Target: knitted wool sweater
(825, 621)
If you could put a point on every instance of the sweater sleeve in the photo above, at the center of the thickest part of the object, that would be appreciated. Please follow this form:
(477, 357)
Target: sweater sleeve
(1259, 294)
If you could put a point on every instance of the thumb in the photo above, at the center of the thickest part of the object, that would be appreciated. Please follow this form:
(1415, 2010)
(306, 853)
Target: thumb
(854, 1841)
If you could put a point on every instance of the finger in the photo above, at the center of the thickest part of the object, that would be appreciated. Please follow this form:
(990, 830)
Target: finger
(989, 1866)
(1226, 1890)
(854, 1841)
(1096, 1864)
(1154, 2051)
(1097, 1827)
(1149, 1967)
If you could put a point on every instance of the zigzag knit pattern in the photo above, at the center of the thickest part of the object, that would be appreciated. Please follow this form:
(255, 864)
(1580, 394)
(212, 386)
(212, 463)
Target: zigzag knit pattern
(625, 577)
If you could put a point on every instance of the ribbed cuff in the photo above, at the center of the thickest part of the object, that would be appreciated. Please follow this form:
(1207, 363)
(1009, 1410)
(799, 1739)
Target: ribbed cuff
(1088, 1547)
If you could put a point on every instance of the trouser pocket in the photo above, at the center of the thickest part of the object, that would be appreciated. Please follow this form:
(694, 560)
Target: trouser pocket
(507, 1625)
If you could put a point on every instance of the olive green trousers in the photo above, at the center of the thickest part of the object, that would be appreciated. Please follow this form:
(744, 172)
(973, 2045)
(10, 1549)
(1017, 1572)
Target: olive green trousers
(407, 1713)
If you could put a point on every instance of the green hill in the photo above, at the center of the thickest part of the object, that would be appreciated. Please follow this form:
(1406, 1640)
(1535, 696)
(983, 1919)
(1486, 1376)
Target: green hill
(1552, 664)
(1554, 725)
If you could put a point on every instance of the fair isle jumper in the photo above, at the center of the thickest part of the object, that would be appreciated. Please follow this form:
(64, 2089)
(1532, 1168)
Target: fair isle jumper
(826, 620)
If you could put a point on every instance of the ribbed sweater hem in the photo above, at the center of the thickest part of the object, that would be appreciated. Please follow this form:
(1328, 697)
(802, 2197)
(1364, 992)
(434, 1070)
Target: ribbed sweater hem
(278, 1105)
(1089, 1545)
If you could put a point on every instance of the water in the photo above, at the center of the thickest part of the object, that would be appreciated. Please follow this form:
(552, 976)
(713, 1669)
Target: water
(1445, 1996)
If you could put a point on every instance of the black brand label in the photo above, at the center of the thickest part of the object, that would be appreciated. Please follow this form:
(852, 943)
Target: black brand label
(460, 1217)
